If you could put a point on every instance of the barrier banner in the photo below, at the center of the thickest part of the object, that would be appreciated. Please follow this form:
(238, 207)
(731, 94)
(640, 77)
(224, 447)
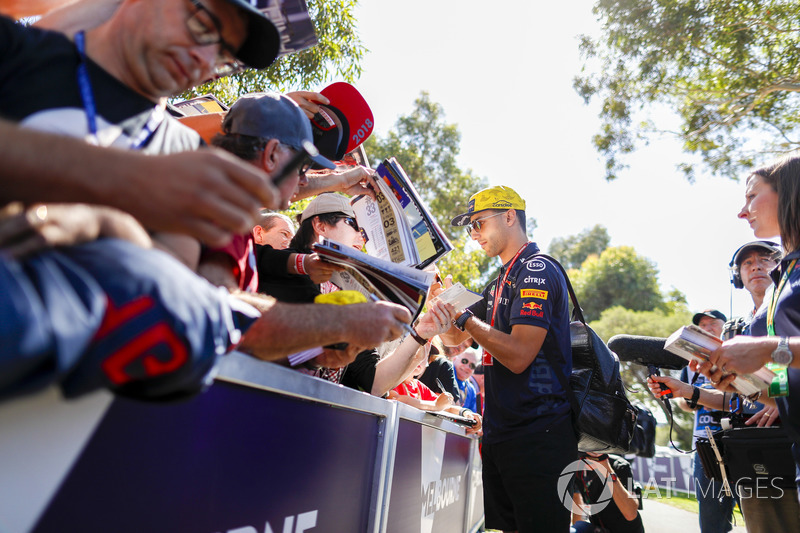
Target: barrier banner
(429, 490)
(672, 472)
(231, 459)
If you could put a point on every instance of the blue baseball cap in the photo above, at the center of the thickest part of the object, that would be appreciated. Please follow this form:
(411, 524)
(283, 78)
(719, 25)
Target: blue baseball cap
(272, 116)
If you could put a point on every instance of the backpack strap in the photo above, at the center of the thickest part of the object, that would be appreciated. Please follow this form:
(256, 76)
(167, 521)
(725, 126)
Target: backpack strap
(555, 358)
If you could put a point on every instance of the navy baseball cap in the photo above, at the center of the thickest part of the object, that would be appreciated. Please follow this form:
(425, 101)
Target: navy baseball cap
(272, 116)
(711, 313)
(263, 41)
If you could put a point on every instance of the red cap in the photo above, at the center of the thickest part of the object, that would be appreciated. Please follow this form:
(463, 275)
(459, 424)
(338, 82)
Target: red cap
(344, 124)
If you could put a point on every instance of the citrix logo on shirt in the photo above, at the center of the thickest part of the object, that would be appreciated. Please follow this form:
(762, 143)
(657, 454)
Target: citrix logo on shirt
(537, 281)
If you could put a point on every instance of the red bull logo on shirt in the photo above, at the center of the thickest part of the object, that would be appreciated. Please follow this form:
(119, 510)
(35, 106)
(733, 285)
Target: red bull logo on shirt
(531, 309)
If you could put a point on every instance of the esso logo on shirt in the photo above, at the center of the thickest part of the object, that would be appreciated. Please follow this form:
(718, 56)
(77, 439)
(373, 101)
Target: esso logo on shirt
(535, 265)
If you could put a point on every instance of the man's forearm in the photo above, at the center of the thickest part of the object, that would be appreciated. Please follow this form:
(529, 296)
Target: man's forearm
(318, 185)
(42, 167)
(627, 503)
(395, 367)
(284, 329)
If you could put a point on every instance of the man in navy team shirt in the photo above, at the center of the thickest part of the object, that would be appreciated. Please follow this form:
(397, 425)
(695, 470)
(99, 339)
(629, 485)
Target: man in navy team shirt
(521, 322)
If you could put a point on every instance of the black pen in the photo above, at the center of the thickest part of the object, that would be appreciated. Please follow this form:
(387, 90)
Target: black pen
(439, 383)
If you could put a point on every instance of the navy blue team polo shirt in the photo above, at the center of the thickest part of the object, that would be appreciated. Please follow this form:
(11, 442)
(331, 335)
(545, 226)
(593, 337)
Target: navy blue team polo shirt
(535, 294)
(787, 324)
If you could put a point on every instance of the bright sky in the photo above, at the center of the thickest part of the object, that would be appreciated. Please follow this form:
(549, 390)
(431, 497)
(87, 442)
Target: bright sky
(503, 72)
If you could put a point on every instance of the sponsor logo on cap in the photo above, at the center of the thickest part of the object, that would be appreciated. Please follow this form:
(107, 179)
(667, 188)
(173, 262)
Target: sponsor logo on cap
(533, 293)
(471, 206)
(501, 203)
(532, 306)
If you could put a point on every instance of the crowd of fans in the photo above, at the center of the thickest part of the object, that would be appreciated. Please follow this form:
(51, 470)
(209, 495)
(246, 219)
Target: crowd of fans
(173, 256)
(134, 256)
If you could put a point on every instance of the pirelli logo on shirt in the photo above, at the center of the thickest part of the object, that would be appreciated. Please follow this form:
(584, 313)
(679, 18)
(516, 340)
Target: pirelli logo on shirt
(533, 293)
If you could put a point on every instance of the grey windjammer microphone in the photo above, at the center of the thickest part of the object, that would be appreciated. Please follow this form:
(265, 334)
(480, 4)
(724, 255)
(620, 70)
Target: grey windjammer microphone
(645, 351)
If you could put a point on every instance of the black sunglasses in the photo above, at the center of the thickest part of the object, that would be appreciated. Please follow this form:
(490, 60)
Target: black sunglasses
(300, 162)
(350, 221)
(467, 362)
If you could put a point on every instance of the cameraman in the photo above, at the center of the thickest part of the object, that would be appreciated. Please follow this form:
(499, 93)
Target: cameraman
(621, 515)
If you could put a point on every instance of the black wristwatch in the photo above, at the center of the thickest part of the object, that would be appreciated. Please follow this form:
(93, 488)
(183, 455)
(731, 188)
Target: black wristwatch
(695, 396)
(461, 321)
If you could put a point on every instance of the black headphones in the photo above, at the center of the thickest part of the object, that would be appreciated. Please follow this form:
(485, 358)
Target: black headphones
(736, 278)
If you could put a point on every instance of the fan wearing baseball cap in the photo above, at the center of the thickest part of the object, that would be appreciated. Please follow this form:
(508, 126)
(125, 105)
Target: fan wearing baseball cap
(521, 322)
(270, 131)
(295, 274)
(710, 321)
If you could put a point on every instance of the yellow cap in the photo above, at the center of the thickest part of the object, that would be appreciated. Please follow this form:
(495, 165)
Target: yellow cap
(500, 197)
(341, 298)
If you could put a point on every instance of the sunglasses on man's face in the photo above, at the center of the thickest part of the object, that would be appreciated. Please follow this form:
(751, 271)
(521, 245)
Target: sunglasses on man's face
(477, 224)
(469, 363)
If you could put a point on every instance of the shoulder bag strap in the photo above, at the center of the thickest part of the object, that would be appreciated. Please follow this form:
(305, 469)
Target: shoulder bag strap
(555, 359)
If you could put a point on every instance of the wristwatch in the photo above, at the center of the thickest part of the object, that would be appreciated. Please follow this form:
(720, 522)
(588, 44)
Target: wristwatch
(782, 354)
(461, 321)
(614, 477)
(692, 403)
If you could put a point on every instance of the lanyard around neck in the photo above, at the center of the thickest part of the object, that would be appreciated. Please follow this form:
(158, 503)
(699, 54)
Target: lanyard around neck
(499, 288)
(773, 303)
(155, 119)
(85, 86)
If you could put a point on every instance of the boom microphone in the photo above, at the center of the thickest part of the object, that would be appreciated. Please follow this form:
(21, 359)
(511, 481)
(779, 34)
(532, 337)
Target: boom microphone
(645, 351)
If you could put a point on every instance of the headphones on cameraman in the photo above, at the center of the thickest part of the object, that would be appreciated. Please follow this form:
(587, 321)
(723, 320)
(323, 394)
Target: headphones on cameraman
(736, 278)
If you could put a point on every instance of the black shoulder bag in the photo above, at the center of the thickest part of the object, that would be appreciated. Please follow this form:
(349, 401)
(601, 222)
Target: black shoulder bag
(603, 417)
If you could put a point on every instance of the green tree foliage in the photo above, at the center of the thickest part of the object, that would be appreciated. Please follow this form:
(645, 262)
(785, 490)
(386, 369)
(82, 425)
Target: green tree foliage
(659, 323)
(573, 250)
(427, 148)
(617, 277)
(726, 67)
(337, 57)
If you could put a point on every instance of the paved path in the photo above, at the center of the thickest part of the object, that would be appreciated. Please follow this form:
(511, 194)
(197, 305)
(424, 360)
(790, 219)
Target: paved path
(662, 518)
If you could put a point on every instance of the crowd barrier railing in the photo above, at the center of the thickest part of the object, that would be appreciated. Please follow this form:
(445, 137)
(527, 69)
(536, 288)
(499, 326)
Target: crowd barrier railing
(264, 450)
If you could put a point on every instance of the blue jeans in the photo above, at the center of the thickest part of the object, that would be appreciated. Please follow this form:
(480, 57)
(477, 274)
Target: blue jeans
(715, 512)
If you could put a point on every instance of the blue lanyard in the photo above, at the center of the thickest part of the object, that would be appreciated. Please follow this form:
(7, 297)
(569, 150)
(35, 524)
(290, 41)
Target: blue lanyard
(85, 87)
(87, 96)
